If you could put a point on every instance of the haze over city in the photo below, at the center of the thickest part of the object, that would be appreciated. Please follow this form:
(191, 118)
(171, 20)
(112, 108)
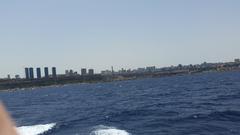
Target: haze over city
(123, 34)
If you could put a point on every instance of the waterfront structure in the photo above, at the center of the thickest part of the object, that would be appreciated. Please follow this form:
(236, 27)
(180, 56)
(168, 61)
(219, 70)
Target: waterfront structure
(237, 60)
(31, 73)
(151, 69)
(140, 70)
(112, 70)
(17, 76)
(90, 71)
(71, 72)
(123, 70)
(54, 72)
(75, 73)
(106, 72)
(8, 77)
(66, 73)
(39, 73)
(46, 72)
(83, 71)
(27, 73)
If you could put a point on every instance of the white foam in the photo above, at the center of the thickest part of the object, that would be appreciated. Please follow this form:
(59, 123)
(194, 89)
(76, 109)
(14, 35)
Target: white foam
(35, 129)
(104, 130)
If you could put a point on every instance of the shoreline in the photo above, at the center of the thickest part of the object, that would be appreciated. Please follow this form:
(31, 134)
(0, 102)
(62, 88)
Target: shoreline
(74, 82)
(31, 85)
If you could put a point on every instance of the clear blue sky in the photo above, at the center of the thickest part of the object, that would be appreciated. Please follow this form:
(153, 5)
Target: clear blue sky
(121, 33)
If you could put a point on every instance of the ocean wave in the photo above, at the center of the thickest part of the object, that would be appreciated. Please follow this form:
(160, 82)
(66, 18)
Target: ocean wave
(228, 115)
(104, 130)
(35, 129)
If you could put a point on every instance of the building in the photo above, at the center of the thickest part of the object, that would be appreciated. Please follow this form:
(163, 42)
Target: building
(106, 72)
(83, 71)
(237, 60)
(31, 73)
(71, 72)
(17, 76)
(27, 73)
(39, 73)
(140, 70)
(8, 77)
(112, 69)
(66, 72)
(151, 69)
(54, 72)
(46, 73)
(75, 73)
(90, 71)
(122, 71)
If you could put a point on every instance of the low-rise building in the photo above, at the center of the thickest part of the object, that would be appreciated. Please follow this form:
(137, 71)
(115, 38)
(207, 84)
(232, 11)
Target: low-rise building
(151, 69)
(237, 60)
(106, 72)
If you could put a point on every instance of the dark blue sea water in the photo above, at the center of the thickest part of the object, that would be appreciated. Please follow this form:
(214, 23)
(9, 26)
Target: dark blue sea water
(202, 104)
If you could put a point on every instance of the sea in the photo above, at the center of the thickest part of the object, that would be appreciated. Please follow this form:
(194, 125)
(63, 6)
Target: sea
(199, 104)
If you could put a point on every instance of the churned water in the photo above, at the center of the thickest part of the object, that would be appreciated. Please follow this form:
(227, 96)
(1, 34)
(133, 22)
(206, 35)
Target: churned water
(201, 104)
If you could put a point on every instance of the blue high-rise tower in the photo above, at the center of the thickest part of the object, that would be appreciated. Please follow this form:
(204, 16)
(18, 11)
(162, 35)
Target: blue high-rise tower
(46, 72)
(39, 73)
(54, 72)
(31, 73)
(27, 73)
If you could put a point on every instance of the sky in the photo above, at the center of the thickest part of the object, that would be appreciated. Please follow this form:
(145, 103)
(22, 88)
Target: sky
(75, 34)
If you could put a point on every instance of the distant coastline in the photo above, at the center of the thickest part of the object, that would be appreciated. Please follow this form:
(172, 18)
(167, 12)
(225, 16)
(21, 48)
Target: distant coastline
(13, 84)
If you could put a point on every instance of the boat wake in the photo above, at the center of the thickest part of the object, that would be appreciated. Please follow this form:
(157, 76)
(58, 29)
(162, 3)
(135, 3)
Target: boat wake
(45, 128)
(35, 129)
(104, 130)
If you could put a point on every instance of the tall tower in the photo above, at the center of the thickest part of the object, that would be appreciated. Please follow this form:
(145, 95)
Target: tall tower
(31, 73)
(46, 72)
(112, 70)
(54, 72)
(39, 73)
(27, 73)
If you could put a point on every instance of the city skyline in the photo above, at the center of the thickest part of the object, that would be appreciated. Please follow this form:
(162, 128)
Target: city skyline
(43, 72)
(122, 34)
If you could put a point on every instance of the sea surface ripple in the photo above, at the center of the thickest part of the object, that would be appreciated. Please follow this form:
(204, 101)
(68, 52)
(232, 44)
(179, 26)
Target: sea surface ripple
(201, 104)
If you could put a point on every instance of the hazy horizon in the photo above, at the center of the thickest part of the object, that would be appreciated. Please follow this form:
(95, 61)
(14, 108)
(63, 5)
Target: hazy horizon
(123, 34)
